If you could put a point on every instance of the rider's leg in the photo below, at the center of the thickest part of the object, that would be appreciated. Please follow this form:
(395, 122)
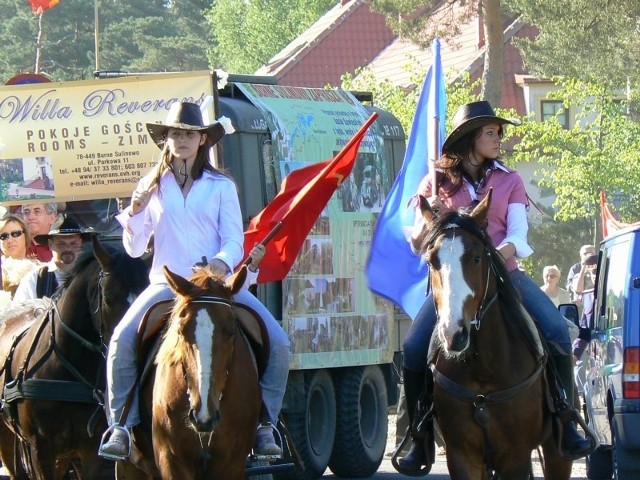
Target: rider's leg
(415, 349)
(574, 445)
(554, 328)
(122, 370)
(274, 379)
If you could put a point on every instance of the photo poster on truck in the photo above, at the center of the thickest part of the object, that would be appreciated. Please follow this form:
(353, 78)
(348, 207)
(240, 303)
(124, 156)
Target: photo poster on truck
(330, 315)
(86, 140)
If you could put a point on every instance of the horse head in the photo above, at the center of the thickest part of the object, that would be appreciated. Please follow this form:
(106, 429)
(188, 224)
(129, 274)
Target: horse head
(201, 338)
(120, 279)
(459, 254)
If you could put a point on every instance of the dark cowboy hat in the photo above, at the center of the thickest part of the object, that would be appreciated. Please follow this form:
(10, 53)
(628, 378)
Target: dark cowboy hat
(185, 116)
(471, 116)
(63, 226)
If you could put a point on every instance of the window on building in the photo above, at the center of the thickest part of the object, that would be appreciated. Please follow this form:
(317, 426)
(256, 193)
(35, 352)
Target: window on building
(555, 108)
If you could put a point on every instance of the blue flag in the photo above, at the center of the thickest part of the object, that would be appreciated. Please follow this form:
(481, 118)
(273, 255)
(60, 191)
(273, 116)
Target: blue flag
(393, 270)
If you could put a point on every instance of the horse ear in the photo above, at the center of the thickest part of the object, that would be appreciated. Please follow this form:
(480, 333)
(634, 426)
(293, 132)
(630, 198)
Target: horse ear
(479, 213)
(178, 284)
(420, 229)
(236, 281)
(101, 253)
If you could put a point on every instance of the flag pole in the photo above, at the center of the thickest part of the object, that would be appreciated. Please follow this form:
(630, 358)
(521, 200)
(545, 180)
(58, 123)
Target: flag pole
(266, 239)
(434, 154)
(95, 16)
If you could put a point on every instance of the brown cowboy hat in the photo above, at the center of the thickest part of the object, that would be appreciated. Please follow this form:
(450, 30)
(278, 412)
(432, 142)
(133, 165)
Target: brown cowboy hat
(471, 116)
(185, 116)
(61, 227)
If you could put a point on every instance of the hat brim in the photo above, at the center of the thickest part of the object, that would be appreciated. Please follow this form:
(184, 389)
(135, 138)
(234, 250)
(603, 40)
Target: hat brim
(473, 123)
(45, 238)
(158, 132)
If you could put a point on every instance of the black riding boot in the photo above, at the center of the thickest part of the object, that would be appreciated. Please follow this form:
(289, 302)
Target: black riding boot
(415, 463)
(574, 445)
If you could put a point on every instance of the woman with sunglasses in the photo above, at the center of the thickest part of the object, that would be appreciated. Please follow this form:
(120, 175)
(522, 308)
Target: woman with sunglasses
(193, 211)
(14, 241)
(14, 236)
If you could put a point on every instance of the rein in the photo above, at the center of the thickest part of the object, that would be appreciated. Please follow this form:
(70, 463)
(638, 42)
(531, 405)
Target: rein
(61, 390)
(480, 401)
(467, 225)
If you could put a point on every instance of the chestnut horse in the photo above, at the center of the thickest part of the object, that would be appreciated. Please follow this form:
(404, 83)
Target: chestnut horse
(52, 357)
(206, 399)
(490, 389)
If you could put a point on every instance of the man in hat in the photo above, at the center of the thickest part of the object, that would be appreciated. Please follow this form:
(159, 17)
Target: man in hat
(40, 218)
(65, 242)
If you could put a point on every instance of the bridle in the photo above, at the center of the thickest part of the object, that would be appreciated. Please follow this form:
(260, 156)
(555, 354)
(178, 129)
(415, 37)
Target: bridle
(468, 225)
(205, 455)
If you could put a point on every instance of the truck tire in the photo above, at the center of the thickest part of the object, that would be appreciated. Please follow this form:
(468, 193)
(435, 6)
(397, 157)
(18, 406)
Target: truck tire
(600, 464)
(313, 431)
(361, 434)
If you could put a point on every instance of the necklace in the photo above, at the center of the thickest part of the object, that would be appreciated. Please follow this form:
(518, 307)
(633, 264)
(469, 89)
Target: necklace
(182, 172)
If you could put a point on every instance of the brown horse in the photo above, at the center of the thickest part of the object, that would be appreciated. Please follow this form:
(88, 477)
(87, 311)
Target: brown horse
(52, 357)
(205, 395)
(490, 390)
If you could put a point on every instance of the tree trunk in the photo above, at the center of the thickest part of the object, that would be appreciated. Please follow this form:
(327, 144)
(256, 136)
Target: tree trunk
(494, 52)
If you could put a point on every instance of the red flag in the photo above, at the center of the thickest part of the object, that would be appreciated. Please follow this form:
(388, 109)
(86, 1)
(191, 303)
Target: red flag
(610, 221)
(303, 195)
(40, 6)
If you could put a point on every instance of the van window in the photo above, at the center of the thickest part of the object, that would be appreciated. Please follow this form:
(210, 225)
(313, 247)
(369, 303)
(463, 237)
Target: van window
(613, 286)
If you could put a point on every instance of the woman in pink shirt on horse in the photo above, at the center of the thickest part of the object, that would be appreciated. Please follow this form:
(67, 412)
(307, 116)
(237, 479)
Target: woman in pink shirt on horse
(468, 169)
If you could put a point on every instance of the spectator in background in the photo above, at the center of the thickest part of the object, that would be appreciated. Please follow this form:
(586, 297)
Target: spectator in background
(585, 251)
(39, 217)
(15, 237)
(14, 241)
(65, 242)
(584, 286)
(551, 276)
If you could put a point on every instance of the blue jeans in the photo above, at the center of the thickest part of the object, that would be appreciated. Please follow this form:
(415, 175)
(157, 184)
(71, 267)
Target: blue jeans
(551, 323)
(122, 365)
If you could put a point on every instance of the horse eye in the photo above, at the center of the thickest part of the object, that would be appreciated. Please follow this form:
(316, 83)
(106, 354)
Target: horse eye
(477, 259)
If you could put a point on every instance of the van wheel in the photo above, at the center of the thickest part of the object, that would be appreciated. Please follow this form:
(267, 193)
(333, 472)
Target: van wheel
(600, 464)
(361, 434)
(625, 460)
(313, 431)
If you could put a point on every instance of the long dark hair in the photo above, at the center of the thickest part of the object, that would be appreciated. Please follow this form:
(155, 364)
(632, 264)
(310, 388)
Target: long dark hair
(449, 165)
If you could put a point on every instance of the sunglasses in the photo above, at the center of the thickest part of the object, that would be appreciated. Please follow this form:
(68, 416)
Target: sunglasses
(14, 234)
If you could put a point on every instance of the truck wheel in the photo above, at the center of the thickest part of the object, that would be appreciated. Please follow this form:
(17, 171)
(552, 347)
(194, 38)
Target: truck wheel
(600, 464)
(313, 431)
(361, 434)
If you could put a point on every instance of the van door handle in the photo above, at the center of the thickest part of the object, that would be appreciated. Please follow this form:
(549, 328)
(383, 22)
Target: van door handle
(636, 282)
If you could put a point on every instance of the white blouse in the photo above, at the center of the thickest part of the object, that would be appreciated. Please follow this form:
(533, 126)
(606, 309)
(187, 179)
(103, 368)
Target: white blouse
(207, 223)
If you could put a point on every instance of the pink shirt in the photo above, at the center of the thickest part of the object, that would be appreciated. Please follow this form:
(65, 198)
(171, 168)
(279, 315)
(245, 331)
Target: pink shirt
(507, 213)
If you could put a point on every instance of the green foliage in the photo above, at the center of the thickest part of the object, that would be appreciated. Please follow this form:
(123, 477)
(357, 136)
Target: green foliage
(246, 34)
(598, 152)
(135, 35)
(557, 243)
(593, 40)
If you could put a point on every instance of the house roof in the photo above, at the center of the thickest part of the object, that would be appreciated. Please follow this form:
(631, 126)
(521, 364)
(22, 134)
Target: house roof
(349, 36)
(395, 61)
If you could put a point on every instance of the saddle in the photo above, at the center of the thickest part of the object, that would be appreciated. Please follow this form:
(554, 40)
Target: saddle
(155, 320)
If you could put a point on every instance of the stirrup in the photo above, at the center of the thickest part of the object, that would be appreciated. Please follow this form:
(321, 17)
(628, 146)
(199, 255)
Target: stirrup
(105, 435)
(269, 457)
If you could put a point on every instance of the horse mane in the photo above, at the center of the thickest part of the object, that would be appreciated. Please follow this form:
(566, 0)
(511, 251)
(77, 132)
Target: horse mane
(508, 296)
(174, 348)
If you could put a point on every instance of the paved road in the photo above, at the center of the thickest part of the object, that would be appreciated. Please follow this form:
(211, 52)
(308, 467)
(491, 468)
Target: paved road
(438, 472)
